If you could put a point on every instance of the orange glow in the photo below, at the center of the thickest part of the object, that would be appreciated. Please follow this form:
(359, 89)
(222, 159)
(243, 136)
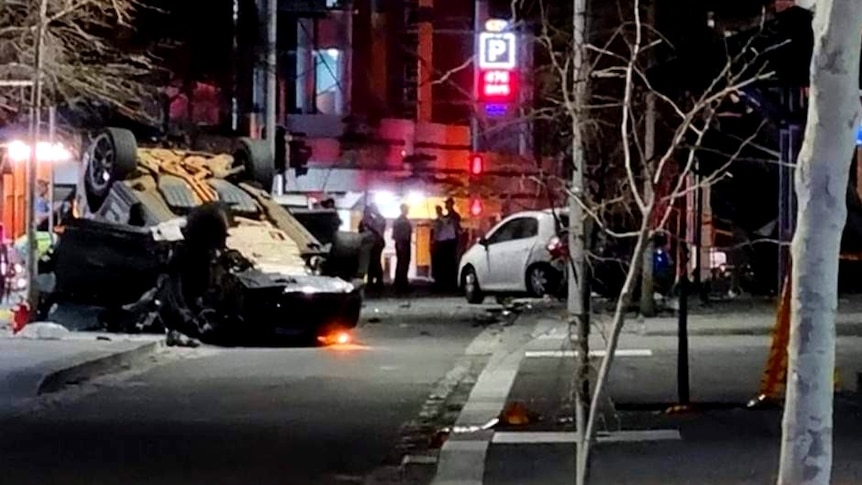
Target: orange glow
(339, 337)
(342, 338)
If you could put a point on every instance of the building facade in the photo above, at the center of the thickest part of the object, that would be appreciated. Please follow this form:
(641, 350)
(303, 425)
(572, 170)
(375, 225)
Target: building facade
(384, 94)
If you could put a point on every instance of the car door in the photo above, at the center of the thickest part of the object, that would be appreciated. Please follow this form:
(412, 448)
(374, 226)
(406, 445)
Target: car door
(516, 254)
(490, 271)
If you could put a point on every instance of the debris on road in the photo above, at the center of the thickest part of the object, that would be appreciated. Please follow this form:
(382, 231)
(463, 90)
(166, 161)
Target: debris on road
(43, 331)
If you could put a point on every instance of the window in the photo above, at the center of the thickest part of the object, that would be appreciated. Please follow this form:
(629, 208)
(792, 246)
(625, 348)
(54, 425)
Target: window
(528, 227)
(520, 228)
(329, 81)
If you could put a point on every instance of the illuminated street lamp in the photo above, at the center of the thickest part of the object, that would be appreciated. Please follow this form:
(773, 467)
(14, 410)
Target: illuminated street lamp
(19, 151)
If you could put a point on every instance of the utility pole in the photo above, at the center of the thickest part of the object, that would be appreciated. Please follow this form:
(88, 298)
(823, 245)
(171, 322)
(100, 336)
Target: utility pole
(35, 126)
(52, 139)
(577, 286)
(271, 71)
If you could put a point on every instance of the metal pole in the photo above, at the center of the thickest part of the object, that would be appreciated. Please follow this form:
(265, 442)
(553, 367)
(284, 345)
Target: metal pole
(35, 118)
(271, 71)
(682, 377)
(52, 136)
(576, 296)
(698, 236)
(474, 116)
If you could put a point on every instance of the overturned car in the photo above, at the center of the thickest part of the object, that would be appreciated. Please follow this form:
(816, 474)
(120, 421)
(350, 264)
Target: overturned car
(190, 241)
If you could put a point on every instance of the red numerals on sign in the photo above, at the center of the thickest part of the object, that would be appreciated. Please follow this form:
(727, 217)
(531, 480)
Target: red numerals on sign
(498, 86)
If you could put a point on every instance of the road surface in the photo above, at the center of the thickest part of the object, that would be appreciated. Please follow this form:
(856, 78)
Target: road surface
(242, 416)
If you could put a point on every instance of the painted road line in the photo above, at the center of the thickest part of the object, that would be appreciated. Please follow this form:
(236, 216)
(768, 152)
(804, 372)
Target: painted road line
(551, 437)
(462, 457)
(419, 460)
(593, 353)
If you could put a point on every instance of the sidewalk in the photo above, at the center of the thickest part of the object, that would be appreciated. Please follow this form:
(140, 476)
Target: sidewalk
(32, 367)
(720, 443)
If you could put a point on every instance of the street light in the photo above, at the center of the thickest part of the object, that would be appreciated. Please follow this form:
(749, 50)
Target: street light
(19, 151)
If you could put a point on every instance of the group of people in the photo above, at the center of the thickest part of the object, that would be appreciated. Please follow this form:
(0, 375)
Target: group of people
(445, 236)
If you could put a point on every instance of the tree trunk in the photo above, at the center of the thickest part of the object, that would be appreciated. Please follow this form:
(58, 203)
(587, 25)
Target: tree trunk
(647, 296)
(821, 184)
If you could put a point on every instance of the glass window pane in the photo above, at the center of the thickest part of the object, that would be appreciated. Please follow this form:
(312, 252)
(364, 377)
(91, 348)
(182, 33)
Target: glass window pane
(328, 81)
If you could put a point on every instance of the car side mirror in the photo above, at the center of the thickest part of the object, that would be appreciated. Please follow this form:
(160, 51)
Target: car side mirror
(484, 242)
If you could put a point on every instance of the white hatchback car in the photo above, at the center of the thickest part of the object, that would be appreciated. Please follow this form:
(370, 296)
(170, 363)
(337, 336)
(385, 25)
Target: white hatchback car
(516, 256)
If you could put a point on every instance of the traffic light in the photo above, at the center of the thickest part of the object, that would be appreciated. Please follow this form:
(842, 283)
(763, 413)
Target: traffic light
(476, 207)
(477, 164)
(299, 153)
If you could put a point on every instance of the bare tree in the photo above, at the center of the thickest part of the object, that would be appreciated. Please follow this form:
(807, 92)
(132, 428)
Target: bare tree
(87, 52)
(822, 175)
(621, 64)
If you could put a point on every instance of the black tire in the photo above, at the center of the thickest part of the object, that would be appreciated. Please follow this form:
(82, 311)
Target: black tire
(344, 255)
(257, 160)
(541, 280)
(470, 284)
(112, 156)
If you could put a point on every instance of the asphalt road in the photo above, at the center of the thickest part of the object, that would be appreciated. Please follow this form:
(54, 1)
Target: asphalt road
(242, 416)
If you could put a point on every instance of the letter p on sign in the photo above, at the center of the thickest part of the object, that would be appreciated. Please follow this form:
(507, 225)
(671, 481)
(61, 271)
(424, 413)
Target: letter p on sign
(497, 50)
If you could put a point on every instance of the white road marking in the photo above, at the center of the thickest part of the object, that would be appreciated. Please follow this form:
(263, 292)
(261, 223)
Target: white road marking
(419, 460)
(462, 461)
(593, 353)
(549, 437)
(553, 336)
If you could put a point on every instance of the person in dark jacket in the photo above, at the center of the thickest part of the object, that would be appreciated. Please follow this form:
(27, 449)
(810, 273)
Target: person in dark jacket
(402, 235)
(373, 226)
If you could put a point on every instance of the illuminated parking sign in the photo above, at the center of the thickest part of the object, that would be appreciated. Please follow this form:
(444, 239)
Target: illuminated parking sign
(497, 86)
(497, 47)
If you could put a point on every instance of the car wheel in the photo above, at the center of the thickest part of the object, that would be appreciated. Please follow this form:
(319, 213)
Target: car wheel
(257, 161)
(111, 156)
(541, 280)
(472, 290)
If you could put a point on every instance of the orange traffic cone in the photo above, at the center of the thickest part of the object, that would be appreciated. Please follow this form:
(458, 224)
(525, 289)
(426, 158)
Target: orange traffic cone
(516, 413)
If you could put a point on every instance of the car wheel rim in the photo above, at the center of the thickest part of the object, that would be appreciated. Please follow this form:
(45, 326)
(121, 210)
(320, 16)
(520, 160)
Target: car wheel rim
(101, 162)
(470, 284)
(538, 281)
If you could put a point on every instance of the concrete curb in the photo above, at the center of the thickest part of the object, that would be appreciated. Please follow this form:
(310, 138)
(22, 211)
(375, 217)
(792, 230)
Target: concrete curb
(79, 371)
(462, 458)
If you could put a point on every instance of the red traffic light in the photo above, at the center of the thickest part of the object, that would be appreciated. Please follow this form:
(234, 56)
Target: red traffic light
(477, 164)
(476, 207)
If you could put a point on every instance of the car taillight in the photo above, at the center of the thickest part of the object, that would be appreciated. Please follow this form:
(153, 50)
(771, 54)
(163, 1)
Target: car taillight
(557, 247)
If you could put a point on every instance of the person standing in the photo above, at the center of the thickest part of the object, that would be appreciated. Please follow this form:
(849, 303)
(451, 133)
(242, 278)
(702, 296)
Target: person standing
(43, 205)
(437, 234)
(451, 243)
(373, 226)
(402, 234)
